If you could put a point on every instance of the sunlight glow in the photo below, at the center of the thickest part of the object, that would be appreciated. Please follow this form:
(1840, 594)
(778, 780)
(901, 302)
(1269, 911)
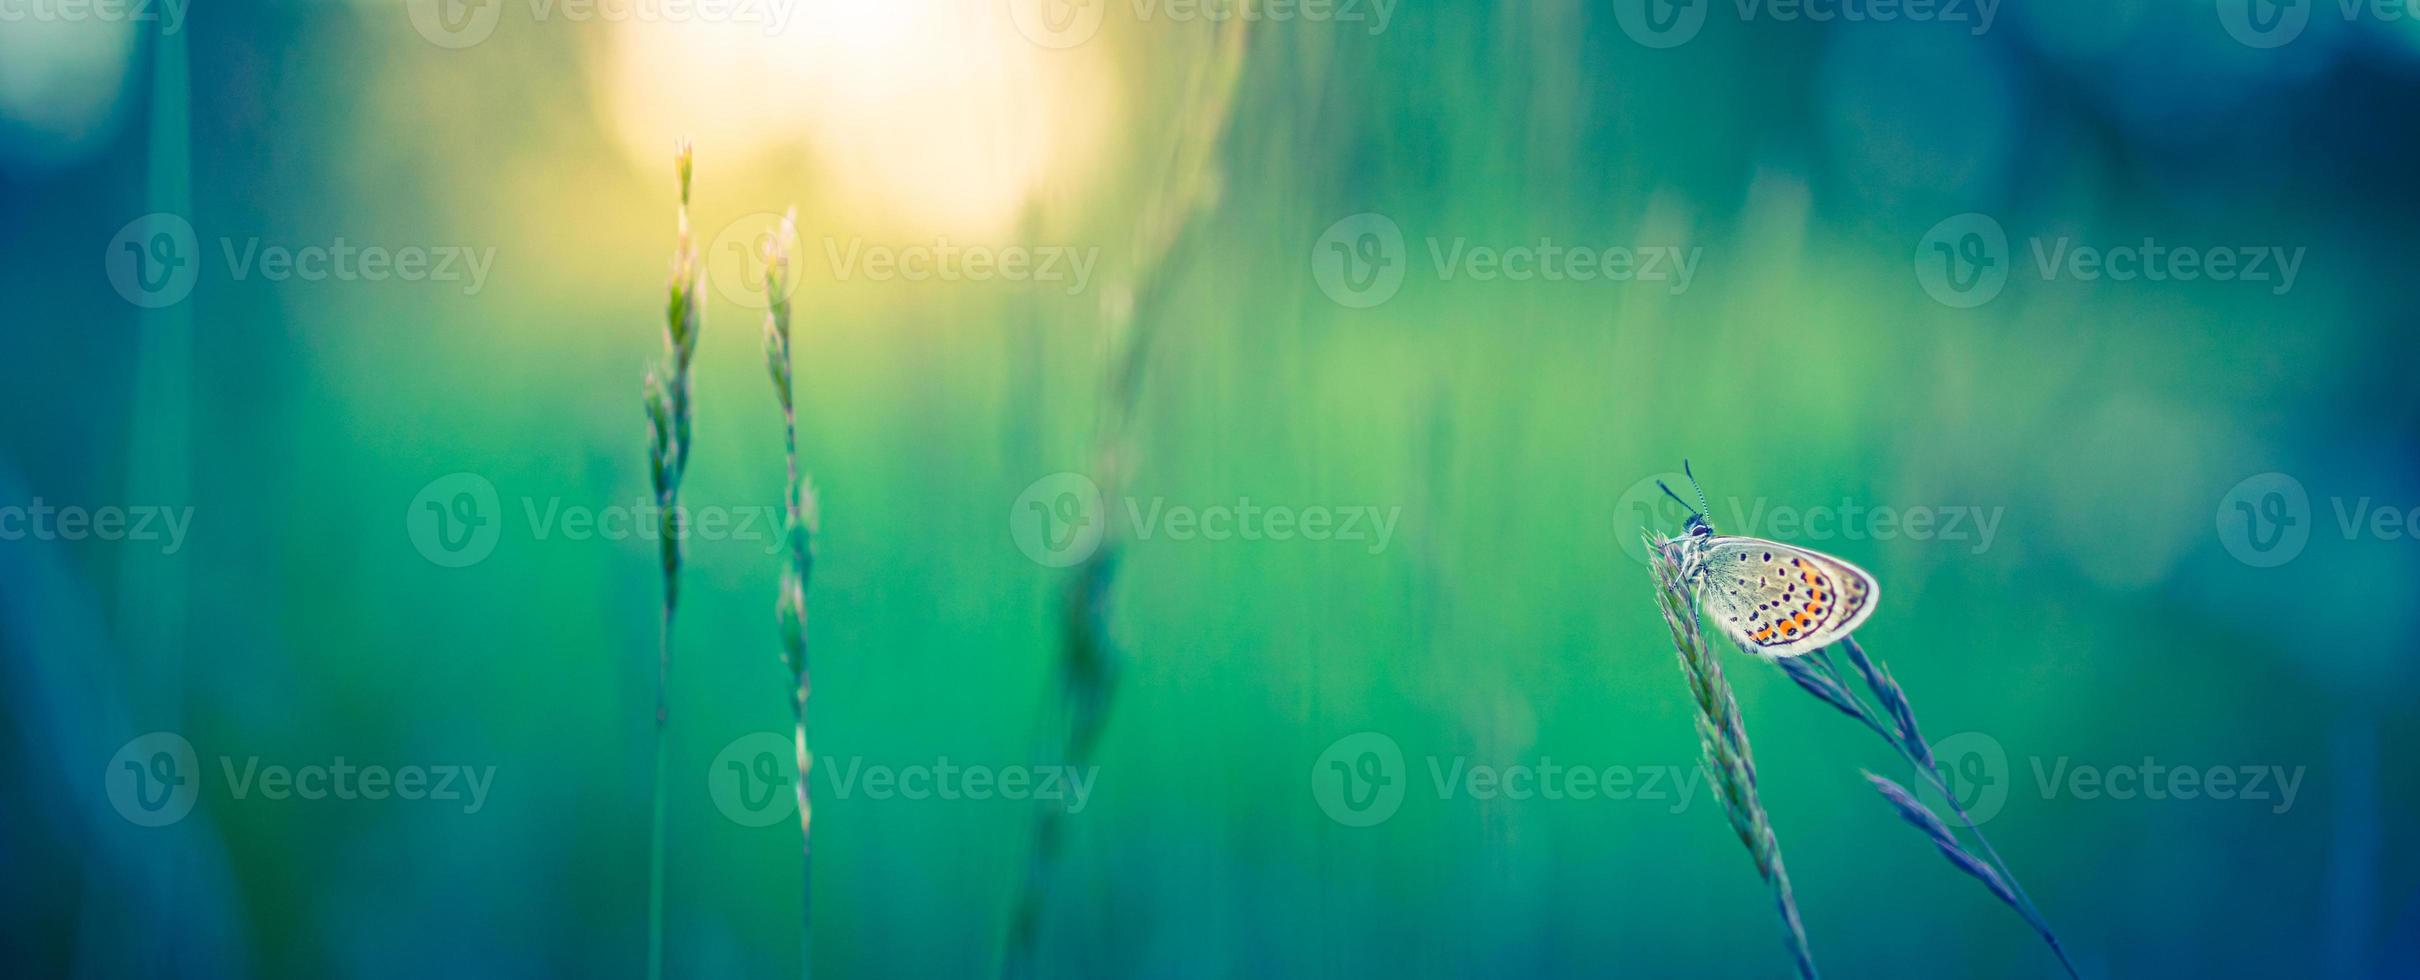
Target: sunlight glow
(925, 118)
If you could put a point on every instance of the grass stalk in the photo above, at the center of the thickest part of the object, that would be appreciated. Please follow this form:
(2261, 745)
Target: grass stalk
(667, 403)
(1088, 663)
(1725, 741)
(790, 606)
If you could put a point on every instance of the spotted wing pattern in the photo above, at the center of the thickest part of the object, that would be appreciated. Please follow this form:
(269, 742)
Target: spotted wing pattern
(1781, 600)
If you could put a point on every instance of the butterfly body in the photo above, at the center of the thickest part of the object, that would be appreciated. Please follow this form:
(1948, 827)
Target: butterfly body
(1772, 598)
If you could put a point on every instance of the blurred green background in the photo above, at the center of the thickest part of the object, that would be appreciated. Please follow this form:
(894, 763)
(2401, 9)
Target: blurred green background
(1822, 361)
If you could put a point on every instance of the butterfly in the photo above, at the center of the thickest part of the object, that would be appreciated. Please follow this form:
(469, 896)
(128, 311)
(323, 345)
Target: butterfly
(1772, 598)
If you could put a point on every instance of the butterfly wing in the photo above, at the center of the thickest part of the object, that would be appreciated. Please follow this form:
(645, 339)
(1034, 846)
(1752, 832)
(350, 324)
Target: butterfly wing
(1782, 600)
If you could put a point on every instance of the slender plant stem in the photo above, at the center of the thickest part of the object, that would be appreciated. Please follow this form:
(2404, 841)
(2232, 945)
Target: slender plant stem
(667, 404)
(798, 538)
(655, 833)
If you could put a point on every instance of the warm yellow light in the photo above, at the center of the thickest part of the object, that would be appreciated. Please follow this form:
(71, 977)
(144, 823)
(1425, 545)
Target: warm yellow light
(921, 117)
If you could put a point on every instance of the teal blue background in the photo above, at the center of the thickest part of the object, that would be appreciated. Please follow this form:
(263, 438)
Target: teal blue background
(2111, 620)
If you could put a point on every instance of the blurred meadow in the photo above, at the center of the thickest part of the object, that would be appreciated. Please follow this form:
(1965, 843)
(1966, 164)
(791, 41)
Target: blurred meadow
(1475, 274)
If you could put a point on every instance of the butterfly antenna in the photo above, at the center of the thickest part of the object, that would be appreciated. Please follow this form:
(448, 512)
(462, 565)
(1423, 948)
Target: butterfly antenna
(1701, 491)
(1676, 498)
